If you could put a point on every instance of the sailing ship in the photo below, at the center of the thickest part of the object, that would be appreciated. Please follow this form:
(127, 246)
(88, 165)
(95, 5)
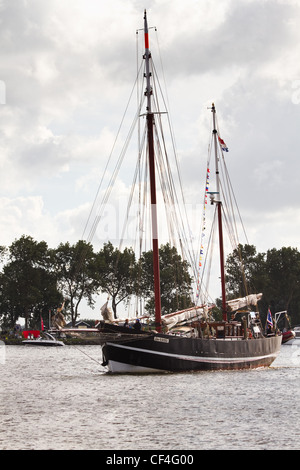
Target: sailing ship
(207, 344)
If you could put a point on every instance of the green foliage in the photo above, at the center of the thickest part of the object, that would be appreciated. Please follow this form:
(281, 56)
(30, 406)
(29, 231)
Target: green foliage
(276, 274)
(35, 278)
(175, 280)
(116, 272)
(75, 266)
(245, 267)
(27, 283)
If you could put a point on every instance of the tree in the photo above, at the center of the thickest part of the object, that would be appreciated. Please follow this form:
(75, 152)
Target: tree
(245, 271)
(27, 285)
(3, 252)
(117, 273)
(77, 275)
(175, 280)
(276, 274)
(283, 287)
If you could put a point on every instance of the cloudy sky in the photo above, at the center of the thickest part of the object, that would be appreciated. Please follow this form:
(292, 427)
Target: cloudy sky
(67, 70)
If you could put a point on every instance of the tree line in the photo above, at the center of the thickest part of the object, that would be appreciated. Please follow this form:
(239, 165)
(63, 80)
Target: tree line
(275, 273)
(36, 279)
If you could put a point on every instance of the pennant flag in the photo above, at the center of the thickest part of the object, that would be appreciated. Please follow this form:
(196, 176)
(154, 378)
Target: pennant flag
(223, 145)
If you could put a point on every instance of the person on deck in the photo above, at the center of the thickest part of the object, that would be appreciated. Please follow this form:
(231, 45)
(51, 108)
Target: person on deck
(137, 325)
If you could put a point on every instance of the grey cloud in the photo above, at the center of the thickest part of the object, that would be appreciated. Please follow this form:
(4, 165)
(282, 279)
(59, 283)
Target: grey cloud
(251, 33)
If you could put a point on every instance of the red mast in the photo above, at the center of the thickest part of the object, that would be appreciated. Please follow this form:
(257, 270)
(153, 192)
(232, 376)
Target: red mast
(219, 208)
(150, 124)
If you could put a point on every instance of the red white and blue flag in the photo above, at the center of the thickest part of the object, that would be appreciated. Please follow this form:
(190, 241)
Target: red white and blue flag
(223, 145)
(269, 319)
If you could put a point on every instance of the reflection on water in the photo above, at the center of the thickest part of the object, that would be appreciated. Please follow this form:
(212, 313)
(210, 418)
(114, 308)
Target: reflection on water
(62, 398)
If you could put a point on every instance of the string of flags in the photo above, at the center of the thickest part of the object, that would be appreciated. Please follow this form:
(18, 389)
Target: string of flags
(224, 149)
(203, 231)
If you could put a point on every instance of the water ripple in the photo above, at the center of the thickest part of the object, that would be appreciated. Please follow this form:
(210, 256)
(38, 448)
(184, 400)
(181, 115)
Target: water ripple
(61, 399)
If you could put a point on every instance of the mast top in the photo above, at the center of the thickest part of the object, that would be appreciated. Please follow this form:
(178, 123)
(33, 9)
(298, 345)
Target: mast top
(146, 31)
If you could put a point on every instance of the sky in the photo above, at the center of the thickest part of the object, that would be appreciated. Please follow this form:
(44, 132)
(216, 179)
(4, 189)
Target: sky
(67, 70)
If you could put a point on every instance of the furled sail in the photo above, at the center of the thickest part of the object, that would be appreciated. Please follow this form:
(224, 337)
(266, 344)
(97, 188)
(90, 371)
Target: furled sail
(242, 302)
(58, 319)
(171, 319)
(106, 313)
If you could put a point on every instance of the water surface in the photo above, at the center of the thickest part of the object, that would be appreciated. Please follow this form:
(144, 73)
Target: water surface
(63, 399)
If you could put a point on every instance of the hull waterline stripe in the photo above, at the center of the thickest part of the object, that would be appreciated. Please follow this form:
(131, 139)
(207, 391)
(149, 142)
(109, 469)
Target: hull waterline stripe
(195, 358)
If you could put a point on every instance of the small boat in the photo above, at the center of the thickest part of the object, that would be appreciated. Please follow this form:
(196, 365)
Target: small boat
(288, 336)
(282, 322)
(297, 331)
(45, 340)
(208, 344)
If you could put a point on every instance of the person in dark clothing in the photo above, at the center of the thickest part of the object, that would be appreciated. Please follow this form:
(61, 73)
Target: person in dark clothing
(137, 325)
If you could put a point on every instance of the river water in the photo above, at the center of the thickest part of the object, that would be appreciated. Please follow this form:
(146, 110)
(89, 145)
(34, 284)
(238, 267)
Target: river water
(63, 399)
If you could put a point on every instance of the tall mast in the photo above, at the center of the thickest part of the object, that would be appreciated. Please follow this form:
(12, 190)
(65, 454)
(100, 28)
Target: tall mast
(219, 209)
(150, 124)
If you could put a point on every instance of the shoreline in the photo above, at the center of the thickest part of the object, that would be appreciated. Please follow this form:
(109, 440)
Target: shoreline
(67, 341)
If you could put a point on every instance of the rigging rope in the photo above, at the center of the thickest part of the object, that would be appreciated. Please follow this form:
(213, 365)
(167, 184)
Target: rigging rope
(115, 173)
(178, 226)
(229, 208)
(83, 352)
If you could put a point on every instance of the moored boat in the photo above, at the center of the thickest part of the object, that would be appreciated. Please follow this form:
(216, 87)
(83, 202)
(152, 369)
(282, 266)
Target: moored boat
(283, 323)
(288, 336)
(45, 339)
(297, 331)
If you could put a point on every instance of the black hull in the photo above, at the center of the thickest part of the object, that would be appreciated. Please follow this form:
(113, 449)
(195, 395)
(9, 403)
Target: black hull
(158, 353)
(110, 332)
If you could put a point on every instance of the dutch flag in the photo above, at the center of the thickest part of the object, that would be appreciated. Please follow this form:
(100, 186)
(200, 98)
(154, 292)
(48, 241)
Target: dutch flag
(223, 145)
